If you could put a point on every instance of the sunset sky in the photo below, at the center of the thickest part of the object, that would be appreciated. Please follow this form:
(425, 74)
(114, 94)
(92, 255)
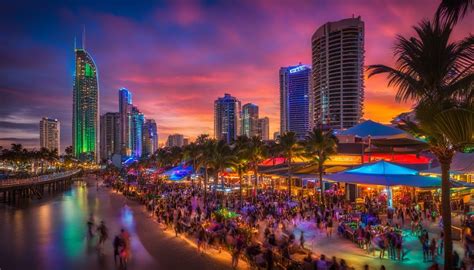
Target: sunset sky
(177, 57)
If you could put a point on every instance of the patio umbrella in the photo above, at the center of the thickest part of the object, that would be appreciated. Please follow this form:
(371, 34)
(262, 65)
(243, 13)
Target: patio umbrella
(385, 173)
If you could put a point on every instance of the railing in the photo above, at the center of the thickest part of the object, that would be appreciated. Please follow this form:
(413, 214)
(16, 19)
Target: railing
(36, 179)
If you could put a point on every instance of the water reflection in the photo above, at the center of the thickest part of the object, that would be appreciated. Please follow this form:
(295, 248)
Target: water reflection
(51, 234)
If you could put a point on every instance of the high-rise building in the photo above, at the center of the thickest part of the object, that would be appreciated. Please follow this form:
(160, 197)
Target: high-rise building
(276, 135)
(226, 118)
(175, 140)
(249, 120)
(136, 132)
(50, 134)
(263, 128)
(109, 135)
(125, 111)
(85, 115)
(295, 100)
(338, 77)
(150, 137)
(185, 141)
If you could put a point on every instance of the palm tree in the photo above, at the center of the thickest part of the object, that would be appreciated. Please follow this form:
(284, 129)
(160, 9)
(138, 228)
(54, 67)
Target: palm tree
(176, 155)
(204, 161)
(191, 152)
(273, 151)
(319, 146)
(256, 154)
(454, 10)
(222, 158)
(289, 149)
(437, 74)
(241, 160)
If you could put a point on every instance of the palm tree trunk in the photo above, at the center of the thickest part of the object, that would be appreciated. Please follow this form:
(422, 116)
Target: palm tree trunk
(321, 199)
(255, 183)
(205, 185)
(194, 173)
(289, 177)
(222, 181)
(446, 214)
(240, 187)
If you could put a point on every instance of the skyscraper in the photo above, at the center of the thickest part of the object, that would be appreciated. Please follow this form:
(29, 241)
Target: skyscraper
(136, 129)
(263, 128)
(338, 77)
(109, 135)
(125, 111)
(295, 100)
(50, 134)
(226, 118)
(150, 137)
(249, 120)
(175, 140)
(85, 115)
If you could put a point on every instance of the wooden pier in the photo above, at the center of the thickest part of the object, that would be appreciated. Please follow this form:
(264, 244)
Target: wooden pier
(12, 190)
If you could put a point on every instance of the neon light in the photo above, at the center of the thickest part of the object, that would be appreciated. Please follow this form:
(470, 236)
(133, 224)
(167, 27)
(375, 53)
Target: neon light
(297, 69)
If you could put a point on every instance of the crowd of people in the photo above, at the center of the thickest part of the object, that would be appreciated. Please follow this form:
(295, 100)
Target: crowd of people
(266, 230)
(260, 230)
(121, 242)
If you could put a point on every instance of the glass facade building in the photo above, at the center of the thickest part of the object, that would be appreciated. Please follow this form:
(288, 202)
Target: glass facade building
(295, 100)
(85, 121)
(125, 111)
(227, 118)
(150, 137)
(338, 73)
(109, 135)
(50, 134)
(138, 121)
(249, 120)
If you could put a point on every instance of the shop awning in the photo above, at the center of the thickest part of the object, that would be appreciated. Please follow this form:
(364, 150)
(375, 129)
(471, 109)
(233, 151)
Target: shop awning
(385, 173)
(179, 172)
(463, 163)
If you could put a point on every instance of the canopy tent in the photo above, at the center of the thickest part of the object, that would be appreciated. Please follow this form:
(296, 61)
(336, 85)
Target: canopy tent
(373, 129)
(463, 163)
(179, 172)
(382, 135)
(385, 173)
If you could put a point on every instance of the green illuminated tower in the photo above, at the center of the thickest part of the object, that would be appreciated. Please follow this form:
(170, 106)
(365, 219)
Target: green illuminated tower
(85, 116)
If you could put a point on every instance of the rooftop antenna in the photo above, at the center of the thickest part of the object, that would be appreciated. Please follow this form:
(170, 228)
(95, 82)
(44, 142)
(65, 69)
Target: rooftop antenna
(84, 38)
(75, 46)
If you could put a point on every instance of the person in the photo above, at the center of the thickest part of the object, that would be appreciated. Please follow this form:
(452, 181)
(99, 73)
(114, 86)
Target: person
(201, 240)
(308, 262)
(329, 226)
(398, 247)
(426, 248)
(382, 267)
(343, 265)
(90, 226)
(456, 260)
(322, 263)
(123, 255)
(433, 249)
(269, 259)
(236, 252)
(117, 245)
(334, 264)
(126, 242)
(441, 243)
(103, 235)
(383, 246)
(302, 240)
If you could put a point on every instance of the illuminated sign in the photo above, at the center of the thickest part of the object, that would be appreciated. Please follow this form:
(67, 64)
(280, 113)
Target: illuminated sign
(297, 69)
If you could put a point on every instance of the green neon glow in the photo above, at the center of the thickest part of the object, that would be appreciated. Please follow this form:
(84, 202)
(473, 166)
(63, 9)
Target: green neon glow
(85, 106)
(88, 70)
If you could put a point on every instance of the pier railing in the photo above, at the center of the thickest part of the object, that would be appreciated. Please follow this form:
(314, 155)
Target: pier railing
(37, 179)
